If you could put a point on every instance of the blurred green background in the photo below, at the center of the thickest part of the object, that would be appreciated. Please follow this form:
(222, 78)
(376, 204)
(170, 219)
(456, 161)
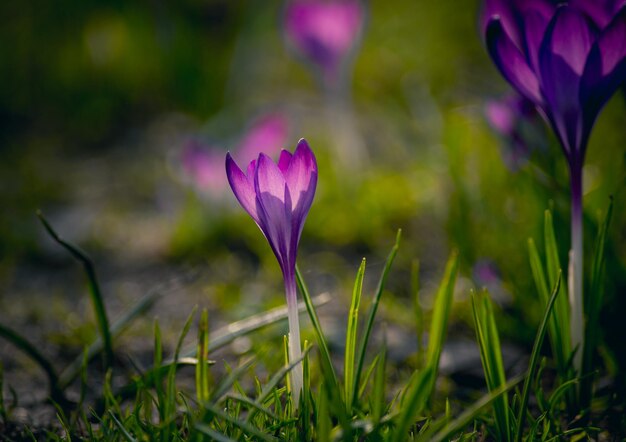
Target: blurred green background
(97, 100)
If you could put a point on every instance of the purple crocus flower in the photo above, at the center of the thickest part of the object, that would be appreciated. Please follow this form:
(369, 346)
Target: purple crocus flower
(568, 58)
(278, 197)
(324, 31)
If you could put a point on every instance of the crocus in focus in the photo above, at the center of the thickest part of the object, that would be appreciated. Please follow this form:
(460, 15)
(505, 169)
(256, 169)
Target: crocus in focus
(278, 197)
(568, 58)
(324, 32)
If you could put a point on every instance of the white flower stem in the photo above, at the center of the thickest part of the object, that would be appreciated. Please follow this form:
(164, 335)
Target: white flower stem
(295, 351)
(575, 270)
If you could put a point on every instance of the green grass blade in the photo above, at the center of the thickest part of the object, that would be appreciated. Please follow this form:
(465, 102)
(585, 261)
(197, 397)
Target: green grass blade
(330, 377)
(94, 290)
(441, 313)
(491, 358)
(593, 303)
(213, 434)
(31, 350)
(127, 436)
(369, 324)
(171, 374)
(349, 378)
(464, 419)
(560, 350)
(245, 427)
(227, 334)
(228, 381)
(560, 318)
(414, 403)
(534, 358)
(419, 312)
(202, 372)
(72, 371)
(380, 381)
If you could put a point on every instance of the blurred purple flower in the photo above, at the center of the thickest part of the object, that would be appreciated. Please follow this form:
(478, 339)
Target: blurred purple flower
(513, 118)
(568, 59)
(268, 134)
(278, 198)
(204, 164)
(324, 31)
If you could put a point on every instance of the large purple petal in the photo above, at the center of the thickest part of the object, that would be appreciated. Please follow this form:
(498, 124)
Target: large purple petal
(284, 160)
(505, 11)
(302, 182)
(562, 60)
(605, 70)
(274, 208)
(242, 186)
(511, 62)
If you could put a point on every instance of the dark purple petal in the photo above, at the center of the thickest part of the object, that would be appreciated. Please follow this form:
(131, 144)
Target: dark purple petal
(605, 70)
(504, 11)
(284, 160)
(302, 182)
(511, 62)
(562, 60)
(274, 207)
(535, 25)
(242, 186)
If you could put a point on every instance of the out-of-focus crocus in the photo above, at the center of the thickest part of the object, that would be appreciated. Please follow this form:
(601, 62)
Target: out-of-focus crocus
(204, 164)
(513, 118)
(278, 197)
(268, 134)
(568, 58)
(324, 31)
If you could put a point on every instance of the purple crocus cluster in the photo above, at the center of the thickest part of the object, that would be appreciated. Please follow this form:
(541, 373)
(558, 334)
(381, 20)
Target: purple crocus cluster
(278, 197)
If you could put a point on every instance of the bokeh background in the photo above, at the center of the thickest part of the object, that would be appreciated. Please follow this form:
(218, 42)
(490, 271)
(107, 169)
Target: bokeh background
(101, 104)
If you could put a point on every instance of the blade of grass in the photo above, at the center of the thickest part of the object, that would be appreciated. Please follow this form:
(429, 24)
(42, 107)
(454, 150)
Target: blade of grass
(561, 307)
(330, 377)
(465, 418)
(227, 334)
(441, 313)
(369, 324)
(94, 289)
(593, 303)
(413, 404)
(241, 425)
(491, 358)
(560, 350)
(72, 371)
(228, 381)
(534, 357)
(31, 350)
(170, 403)
(127, 436)
(202, 372)
(213, 434)
(419, 312)
(349, 379)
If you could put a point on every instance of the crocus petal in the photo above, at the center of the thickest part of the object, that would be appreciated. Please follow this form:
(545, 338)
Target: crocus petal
(274, 207)
(600, 11)
(562, 59)
(505, 11)
(605, 70)
(511, 62)
(242, 186)
(283, 161)
(302, 182)
(535, 24)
